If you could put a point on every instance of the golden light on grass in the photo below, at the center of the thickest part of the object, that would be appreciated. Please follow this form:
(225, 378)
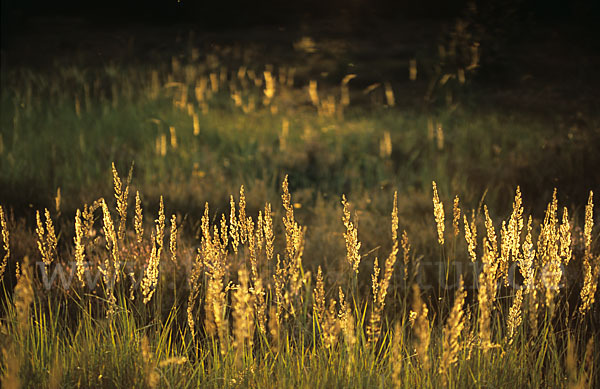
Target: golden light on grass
(380, 286)
(139, 219)
(471, 235)
(121, 195)
(548, 251)
(491, 232)
(591, 265)
(194, 284)
(233, 226)
(243, 311)
(421, 328)
(79, 248)
(243, 317)
(438, 211)
(566, 250)
(173, 239)
(110, 272)
(406, 253)
(514, 316)
(5, 242)
(346, 320)
(487, 296)
(151, 273)
(351, 237)
(268, 232)
(589, 223)
(294, 234)
(241, 220)
(525, 261)
(456, 216)
(46, 238)
(331, 326)
(451, 333)
(510, 236)
(319, 296)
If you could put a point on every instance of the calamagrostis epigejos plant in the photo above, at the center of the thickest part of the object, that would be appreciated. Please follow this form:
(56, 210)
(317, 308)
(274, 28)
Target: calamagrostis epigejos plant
(421, 327)
(346, 320)
(233, 226)
(151, 273)
(456, 216)
(214, 263)
(406, 254)
(471, 236)
(331, 326)
(173, 239)
(194, 283)
(268, 231)
(438, 211)
(47, 240)
(294, 235)
(319, 296)
(566, 250)
(514, 315)
(291, 270)
(510, 237)
(5, 242)
(452, 331)
(487, 295)
(243, 316)
(548, 250)
(351, 237)
(591, 266)
(110, 272)
(138, 222)
(121, 194)
(241, 220)
(525, 262)
(491, 232)
(380, 287)
(79, 247)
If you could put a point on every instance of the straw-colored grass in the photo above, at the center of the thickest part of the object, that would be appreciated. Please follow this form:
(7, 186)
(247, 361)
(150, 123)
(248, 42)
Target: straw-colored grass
(252, 322)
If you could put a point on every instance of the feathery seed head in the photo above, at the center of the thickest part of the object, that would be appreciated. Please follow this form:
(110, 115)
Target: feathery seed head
(438, 211)
(5, 242)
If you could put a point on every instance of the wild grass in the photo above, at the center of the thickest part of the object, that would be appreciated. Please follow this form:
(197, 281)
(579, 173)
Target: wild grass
(242, 307)
(285, 232)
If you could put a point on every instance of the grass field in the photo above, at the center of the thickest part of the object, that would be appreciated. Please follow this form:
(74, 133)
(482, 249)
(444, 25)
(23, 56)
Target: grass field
(264, 226)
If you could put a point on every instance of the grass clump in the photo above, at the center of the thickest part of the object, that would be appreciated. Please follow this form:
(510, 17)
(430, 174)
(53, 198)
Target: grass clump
(242, 306)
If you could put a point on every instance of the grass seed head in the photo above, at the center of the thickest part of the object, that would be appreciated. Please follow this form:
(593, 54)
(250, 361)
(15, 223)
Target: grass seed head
(438, 211)
(5, 242)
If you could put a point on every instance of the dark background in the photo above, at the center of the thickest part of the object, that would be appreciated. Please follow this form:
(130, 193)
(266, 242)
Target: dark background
(242, 13)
